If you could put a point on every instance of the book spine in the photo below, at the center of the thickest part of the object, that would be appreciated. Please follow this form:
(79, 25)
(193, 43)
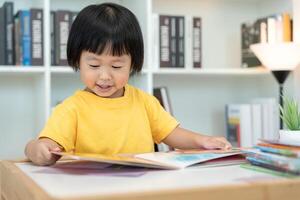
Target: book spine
(164, 41)
(62, 28)
(188, 51)
(271, 24)
(52, 36)
(180, 37)
(17, 36)
(26, 37)
(248, 38)
(287, 28)
(233, 124)
(197, 47)
(2, 37)
(9, 24)
(37, 37)
(173, 41)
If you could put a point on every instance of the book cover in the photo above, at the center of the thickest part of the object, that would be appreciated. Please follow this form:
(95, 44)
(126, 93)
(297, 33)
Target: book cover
(160, 160)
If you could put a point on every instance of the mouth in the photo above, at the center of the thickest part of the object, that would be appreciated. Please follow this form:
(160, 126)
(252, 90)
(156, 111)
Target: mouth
(104, 88)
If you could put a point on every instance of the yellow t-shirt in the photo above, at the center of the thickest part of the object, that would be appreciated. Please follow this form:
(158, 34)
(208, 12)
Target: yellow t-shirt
(87, 123)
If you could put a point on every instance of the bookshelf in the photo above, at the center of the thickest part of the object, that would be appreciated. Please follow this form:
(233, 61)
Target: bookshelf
(197, 96)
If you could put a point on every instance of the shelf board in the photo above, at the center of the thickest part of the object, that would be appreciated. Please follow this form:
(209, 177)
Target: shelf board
(61, 69)
(214, 71)
(22, 69)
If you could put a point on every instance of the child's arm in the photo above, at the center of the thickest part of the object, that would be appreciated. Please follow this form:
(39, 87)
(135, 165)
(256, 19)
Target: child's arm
(181, 138)
(38, 151)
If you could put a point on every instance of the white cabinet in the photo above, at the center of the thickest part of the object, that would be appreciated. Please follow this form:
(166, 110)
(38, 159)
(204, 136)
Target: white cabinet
(27, 94)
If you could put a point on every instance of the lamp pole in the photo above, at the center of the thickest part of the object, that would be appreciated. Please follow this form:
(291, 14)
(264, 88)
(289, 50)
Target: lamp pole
(280, 76)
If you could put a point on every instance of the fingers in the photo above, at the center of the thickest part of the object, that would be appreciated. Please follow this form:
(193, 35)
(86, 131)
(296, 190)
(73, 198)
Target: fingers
(42, 154)
(217, 143)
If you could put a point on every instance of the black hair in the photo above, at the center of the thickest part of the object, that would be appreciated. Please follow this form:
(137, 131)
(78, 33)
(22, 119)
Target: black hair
(107, 25)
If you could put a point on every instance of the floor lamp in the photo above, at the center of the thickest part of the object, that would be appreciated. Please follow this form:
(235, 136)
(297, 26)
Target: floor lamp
(280, 59)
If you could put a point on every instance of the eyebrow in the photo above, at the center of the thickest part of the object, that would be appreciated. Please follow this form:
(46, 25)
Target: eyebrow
(92, 58)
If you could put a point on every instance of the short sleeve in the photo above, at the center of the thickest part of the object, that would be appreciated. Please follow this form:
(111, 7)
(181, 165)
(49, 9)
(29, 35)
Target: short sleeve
(162, 123)
(61, 126)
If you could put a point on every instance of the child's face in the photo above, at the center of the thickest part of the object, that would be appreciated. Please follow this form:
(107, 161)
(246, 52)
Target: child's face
(105, 75)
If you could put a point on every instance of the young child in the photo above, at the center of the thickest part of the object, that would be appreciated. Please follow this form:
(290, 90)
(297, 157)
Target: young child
(110, 116)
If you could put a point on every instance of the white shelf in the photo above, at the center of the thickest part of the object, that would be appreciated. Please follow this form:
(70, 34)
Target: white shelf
(61, 69)
(22, 69)
(213, 71)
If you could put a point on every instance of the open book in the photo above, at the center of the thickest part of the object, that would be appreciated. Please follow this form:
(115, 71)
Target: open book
(162, 160)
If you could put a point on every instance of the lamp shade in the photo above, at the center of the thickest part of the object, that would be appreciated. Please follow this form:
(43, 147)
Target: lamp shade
(278, 56)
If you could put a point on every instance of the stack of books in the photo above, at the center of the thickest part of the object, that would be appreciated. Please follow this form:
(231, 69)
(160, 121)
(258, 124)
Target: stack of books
(276, 155)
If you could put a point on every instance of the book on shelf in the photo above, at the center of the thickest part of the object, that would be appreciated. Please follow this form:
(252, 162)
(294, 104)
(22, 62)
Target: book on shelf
(197, 42)
(159, 160)
(249, 122)
(177, 41)
(239, 124)
(162, 95)
(37, 35)
(6, 38)
(249, 36)
(270, 29)
(61, 32)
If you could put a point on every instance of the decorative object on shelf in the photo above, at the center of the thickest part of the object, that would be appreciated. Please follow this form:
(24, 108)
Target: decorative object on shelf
(290, 115)
(281, 59)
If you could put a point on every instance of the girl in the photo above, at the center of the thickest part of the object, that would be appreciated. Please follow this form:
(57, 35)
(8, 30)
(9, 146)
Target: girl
(110, 116)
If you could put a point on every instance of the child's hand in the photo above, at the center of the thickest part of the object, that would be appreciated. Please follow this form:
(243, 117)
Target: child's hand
(211, 142)
(38, 151)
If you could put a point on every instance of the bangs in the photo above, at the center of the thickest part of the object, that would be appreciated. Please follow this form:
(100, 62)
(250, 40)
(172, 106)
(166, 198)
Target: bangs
(111, 46)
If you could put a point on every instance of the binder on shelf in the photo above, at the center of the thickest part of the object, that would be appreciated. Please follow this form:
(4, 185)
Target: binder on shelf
(6, 38)
(165, 41)
(2, 37)
(25, 42)
(197, 46)
(9, 23)
(180, 37)
(52, 37)
(36, 25)
(61, 32)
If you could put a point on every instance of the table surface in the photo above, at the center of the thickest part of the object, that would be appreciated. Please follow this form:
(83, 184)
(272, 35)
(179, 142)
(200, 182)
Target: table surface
(65, 182)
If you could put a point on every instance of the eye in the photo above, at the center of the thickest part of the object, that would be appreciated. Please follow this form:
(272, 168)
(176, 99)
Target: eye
(94, 66)
(116, 67)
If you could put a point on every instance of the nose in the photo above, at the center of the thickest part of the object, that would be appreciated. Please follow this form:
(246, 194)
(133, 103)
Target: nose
(104, 74)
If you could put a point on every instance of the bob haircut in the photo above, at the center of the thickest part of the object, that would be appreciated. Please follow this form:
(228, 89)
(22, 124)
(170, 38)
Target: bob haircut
(106, 27)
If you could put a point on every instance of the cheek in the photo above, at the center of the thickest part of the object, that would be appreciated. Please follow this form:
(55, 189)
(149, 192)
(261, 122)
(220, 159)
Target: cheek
(123, 79)
(87, 77)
